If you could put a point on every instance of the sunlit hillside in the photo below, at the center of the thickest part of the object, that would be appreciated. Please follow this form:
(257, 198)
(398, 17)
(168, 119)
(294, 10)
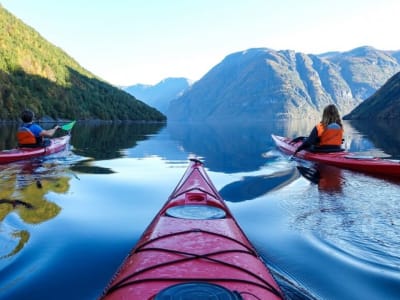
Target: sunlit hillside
(36, 74)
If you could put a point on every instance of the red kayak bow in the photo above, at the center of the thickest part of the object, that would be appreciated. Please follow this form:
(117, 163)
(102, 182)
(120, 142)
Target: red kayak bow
(193, 249)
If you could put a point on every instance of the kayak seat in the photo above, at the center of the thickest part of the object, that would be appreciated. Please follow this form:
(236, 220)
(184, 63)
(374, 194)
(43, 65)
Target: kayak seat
(195, 212)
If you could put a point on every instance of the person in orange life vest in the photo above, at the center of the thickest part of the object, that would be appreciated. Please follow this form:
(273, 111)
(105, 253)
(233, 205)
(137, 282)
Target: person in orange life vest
(31, 134)
(327, 135)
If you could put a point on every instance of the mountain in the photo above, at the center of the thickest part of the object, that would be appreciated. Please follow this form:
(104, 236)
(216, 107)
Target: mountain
(384, 104)
(262, 84)
(160, 95)
(36, 74)
(366, 69)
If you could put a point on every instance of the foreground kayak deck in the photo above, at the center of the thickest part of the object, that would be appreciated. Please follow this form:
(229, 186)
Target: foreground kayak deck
(193, 249)
(344, 159)
(17, 154)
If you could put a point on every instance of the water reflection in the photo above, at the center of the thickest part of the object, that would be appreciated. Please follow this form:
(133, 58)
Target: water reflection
(23, 191)
(8, 138)
(97, 140)
(343, 211)
(87, 167)
(252, 187)
(227, 147)
(232, 147)
(331, 179)
(383, 134)
(353, 219)
(102, 141)
(19, 237)
(27, 184)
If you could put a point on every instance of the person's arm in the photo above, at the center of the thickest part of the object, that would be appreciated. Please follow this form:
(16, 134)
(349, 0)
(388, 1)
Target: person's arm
(49, 132)
(312, 139)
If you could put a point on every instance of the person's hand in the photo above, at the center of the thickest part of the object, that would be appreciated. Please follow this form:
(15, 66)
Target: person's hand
(292, 157)
(56, 127)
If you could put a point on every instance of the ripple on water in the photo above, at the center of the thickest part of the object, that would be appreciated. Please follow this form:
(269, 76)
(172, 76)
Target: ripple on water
(362, 220)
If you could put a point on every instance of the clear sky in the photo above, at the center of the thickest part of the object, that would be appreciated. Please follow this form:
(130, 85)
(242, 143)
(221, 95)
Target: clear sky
(144, 41)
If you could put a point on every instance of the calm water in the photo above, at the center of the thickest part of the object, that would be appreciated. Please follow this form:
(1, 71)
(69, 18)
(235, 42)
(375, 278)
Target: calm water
(67, 222)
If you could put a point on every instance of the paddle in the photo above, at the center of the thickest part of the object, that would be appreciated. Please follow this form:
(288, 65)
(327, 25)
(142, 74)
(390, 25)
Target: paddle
(310, 174)
(294, 141)
(68, 127)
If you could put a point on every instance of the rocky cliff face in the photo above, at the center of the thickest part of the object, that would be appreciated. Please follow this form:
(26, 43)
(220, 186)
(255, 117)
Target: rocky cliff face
(383, 105)
(260, 84)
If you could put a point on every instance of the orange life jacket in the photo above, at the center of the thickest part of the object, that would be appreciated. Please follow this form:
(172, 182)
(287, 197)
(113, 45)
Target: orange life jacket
(25, 137)
(330, 135)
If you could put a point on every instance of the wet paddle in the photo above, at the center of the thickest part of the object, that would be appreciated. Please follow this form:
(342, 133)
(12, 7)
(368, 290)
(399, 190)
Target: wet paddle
(68, 126)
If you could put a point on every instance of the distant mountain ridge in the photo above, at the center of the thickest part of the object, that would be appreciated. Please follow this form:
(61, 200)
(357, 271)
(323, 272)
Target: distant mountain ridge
(160, 95)
(38, 75)
(262, 84)
(384, 104)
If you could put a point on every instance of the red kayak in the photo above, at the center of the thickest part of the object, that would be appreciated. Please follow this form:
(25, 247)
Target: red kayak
(193, 249)
(344, 159)
(57, 145)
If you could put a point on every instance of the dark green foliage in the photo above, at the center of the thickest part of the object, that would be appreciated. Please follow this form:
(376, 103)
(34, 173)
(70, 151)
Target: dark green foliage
(36, 74)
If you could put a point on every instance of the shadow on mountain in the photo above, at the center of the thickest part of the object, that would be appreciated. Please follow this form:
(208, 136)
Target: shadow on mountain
(74, 96)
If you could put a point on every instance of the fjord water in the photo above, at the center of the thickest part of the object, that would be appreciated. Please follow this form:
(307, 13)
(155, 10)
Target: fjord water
(80, 212)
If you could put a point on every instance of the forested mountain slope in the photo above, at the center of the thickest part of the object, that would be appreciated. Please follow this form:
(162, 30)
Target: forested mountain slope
(36, 74)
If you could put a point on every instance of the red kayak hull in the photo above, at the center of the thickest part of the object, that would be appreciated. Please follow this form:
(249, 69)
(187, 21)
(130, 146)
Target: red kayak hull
(193, 250)
(17, 154)
(344, 159)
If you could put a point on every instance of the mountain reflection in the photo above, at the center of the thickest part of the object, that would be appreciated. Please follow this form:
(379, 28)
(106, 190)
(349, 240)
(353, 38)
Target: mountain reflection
(383, 134)
(102, 141)
(251, 187)
(229, 147)
(233, 147)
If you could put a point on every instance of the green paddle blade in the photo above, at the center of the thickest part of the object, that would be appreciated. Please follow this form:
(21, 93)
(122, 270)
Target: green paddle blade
(68, 126)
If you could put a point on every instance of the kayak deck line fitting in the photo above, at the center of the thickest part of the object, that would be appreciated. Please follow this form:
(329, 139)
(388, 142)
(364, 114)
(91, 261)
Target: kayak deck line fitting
(193, 249)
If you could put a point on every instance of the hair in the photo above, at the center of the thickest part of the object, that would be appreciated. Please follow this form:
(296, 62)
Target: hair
(27, 116)
(331, 115)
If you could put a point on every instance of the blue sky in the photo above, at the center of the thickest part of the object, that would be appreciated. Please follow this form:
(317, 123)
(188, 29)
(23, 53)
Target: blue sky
(131, 41)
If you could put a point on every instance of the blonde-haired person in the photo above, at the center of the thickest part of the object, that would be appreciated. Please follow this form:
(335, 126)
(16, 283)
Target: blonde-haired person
(327, 135)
